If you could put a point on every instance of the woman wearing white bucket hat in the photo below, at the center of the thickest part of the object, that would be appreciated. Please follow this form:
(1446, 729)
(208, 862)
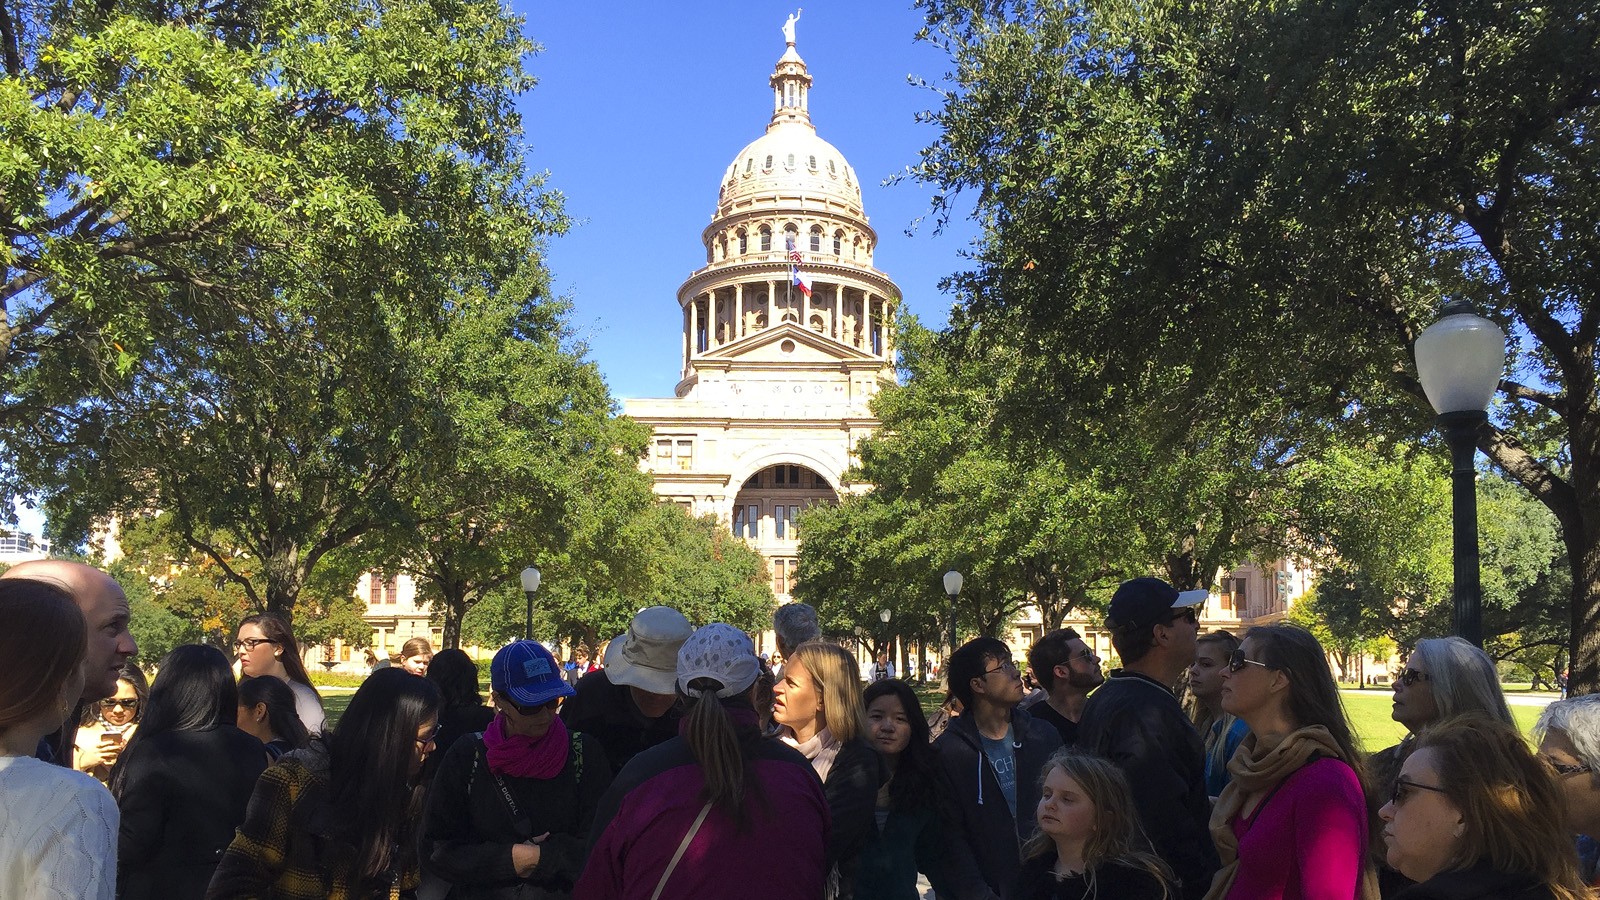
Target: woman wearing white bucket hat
(631, 704)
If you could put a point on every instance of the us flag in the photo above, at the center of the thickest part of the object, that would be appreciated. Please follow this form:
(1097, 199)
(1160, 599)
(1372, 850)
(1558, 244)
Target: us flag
(795, 277)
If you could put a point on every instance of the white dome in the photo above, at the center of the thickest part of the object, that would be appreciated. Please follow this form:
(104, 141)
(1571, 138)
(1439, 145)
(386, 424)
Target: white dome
(792, 158)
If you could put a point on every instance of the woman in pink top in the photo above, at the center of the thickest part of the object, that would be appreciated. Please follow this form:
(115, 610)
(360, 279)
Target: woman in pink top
(1293, 822)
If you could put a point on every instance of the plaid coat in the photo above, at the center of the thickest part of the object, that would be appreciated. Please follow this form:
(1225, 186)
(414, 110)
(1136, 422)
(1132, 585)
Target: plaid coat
(293, 846)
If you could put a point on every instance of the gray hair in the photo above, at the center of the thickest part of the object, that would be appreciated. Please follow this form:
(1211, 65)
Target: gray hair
(794, 624)
(1579, 719)
(1463, 678)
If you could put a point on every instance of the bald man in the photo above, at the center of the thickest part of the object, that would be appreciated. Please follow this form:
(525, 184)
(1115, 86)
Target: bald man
(105, 608)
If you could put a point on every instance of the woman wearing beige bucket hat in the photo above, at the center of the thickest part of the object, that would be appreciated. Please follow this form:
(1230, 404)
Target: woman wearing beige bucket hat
(631, 705)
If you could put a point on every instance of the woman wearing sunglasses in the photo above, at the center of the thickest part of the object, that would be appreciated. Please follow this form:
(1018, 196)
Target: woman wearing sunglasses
(510, 809)
(108, 725)
(1474, 815)
(1293, 822)
(1442, 678)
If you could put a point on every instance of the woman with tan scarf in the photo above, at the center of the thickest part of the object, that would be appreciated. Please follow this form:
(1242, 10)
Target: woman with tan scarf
(1294, 821)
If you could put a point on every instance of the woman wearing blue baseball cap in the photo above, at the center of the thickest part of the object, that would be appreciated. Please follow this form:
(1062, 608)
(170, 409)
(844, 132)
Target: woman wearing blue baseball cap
(510, 808)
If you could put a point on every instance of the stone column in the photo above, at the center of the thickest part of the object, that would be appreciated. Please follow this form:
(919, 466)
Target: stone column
(738, 310)
(838, 312)
(694, 324)
(866, 321)
(772, 305)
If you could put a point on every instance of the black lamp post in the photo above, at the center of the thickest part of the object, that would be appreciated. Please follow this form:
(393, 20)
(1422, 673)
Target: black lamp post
(1460, 359)
(530, 586)
(952, 589)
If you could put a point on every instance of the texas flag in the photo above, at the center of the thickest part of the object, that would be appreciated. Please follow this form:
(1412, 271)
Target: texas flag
(800, 281)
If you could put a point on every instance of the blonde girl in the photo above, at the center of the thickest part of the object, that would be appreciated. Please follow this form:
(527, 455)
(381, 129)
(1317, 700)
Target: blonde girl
(1089, 843)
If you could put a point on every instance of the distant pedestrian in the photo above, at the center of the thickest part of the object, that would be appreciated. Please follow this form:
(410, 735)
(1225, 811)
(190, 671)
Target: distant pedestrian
(793, 624)
(1470, 818)
(58, 826)
(107, 726)
(1135, 721)
(1293, 822)
(266, 646)
(185, 779)
(718, 812)
(1088, 842)
(338, 820)
(267, 713)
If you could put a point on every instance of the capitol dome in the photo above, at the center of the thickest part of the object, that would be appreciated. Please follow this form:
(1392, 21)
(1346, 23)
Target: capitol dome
(790, 157)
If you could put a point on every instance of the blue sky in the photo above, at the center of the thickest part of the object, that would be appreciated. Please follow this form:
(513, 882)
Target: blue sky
(638, 113)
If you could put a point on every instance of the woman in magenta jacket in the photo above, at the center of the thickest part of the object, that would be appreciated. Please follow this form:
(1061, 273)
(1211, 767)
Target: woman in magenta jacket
(1293, 822)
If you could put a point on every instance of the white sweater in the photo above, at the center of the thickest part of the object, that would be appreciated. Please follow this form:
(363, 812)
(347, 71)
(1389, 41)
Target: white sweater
(58, 833)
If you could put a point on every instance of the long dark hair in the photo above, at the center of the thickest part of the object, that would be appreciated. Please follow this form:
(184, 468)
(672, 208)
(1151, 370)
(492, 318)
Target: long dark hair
(369, 773)
(914, 779)
(456, 675)
(281, 715)
(193, 691)
(276, 629)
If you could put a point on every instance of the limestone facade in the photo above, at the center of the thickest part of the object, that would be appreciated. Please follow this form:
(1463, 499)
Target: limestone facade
(788, 332)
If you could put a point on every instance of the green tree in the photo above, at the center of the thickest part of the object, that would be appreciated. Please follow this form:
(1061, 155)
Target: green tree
(245, 228)
(525, 443)
(1203, 210)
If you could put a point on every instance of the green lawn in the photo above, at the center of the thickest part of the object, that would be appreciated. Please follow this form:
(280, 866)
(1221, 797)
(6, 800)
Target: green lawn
(1369, 718)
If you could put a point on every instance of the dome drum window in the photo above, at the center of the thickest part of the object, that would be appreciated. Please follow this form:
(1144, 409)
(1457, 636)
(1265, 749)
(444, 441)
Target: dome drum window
(767, 166)
(766, 239)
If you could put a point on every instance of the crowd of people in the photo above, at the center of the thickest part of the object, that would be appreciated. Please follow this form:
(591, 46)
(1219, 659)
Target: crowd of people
(1207, 766)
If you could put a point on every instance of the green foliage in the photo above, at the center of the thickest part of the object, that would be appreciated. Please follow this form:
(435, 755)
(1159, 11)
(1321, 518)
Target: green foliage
(1234, 219)
(235, 239)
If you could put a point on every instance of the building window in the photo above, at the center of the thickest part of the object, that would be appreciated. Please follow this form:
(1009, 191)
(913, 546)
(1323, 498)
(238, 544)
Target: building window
(767, 166)
(832, 173)
(744, 241)
(816, 239)
(685, 455)
(838, 240)
(766, 239)
(738, 521)
(811, 163)
(374, 589)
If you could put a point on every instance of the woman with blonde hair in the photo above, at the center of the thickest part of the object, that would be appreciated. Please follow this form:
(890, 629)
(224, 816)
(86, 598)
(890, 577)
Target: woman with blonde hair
(1089, 843)
(1475, 815)
(817, 705)
(1294, 821)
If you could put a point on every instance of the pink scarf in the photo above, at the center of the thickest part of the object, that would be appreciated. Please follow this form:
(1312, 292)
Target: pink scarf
(524, 757)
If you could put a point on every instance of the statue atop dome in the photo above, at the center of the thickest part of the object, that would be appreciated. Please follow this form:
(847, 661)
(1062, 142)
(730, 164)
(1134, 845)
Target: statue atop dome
(788, 27)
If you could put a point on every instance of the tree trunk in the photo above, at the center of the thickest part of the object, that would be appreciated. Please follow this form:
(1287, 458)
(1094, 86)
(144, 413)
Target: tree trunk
(1583, 549)
(455, 608)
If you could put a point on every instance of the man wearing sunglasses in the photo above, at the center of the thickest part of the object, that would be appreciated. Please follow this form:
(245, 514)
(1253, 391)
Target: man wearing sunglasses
(1135, 721)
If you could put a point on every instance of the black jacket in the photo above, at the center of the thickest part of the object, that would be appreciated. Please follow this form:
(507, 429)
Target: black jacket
(468, 829)
(1136, 722)
(1476, 883)
(852, 791)
(455, 723)
(1112, 881)
(607, 713)
(983, 840)
(183, 794)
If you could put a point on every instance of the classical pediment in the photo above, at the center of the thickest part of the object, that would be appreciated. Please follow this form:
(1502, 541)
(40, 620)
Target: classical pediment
(787, 343)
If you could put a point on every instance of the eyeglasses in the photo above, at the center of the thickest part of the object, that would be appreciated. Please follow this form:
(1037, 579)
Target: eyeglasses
(115, 702)
(1403, 789)
(1186, 614)
(250, 644)
(1087, 654)
(1565, 769)
(531, 710)
(1410, 677)
(432, 736)
(1237, 661)
(1008, 667)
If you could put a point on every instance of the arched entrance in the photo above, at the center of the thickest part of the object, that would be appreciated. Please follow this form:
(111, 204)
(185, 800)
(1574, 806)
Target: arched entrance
(765, 512)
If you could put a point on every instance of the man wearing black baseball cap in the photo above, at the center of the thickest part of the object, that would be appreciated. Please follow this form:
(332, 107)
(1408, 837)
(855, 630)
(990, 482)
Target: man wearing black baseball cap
(1135, 721)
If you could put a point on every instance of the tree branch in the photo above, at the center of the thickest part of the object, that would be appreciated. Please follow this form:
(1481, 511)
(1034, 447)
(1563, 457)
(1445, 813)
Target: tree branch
(8, 43)
(1518, 391)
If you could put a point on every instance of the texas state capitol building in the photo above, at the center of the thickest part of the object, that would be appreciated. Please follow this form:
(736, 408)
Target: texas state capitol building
(775, 384)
